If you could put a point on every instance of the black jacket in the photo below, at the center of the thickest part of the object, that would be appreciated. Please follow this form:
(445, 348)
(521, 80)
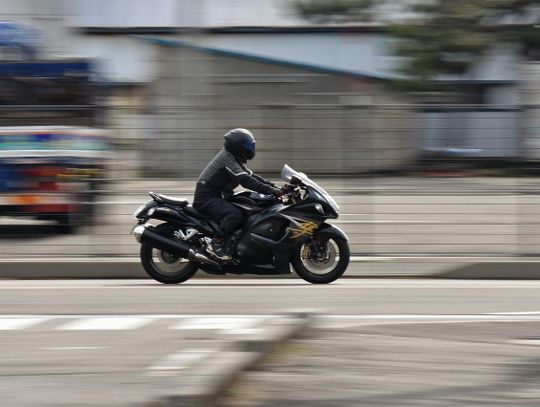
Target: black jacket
(224, 173)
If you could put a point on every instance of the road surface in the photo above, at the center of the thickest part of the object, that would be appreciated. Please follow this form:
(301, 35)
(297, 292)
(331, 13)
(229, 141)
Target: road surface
(256, 296)
(377, 341)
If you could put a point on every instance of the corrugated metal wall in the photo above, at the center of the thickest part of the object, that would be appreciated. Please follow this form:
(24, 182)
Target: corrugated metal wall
(319, 122)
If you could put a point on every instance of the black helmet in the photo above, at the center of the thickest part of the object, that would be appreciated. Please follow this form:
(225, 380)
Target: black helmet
(241, 143)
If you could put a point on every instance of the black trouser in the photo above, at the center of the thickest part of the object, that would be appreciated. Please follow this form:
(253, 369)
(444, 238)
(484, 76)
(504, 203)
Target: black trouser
(228, 216)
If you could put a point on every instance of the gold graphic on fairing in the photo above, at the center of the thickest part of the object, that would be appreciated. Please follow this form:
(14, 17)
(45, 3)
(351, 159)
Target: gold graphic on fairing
(305, 229)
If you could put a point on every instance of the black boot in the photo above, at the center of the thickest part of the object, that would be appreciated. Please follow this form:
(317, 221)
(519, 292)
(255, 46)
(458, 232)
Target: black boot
(218, 249)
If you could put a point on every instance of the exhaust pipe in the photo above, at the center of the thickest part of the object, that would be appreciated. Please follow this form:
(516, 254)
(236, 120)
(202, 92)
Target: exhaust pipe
(145, 235)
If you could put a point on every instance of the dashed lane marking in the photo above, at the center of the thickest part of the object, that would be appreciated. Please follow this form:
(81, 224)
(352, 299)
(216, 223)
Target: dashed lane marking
(106, 323)
(229, 323)
(237, 324)
(62, 348)
(12, 323)
(349, 321)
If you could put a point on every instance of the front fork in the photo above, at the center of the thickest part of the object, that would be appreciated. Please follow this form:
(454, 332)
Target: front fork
(317, 246)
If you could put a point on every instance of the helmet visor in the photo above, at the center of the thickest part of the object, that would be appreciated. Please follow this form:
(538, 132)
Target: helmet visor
(250, 146)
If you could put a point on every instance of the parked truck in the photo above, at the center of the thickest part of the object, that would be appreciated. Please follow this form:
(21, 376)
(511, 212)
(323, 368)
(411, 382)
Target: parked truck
(53, 150)
(52, 172)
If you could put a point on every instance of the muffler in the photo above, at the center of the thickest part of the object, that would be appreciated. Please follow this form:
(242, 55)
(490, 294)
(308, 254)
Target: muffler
(146, 235)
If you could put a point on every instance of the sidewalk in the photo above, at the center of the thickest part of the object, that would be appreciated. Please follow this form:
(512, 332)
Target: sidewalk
(368, 267)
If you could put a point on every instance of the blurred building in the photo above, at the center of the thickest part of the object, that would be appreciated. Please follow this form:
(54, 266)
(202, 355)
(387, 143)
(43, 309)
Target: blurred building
(179, 73)
(316, 117)
(318, 96)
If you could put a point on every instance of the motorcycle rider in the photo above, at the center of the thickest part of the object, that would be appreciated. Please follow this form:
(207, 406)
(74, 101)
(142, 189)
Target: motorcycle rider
(221, 176)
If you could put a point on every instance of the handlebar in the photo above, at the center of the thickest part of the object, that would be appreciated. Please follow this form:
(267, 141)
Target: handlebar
(291, 194)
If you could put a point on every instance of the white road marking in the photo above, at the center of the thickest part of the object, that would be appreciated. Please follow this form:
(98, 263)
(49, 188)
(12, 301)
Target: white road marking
(148, 316)
(349, 321)
(12, 323)
(231, 323)
(533, 342)
(438, 317)
(241, 324)
(61, 348)
(516, 313)
(106, 323)
(347, 222)
(178, 361)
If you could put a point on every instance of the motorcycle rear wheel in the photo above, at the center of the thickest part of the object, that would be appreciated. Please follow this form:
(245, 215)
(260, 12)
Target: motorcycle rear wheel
(152, 268)
(166, 267)
(322, 269)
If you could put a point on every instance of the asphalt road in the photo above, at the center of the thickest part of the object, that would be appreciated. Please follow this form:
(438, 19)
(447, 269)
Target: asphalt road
(256, 296)
(401, 363)
(121, 342)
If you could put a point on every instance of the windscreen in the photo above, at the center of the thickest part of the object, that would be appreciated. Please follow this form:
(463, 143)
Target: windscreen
(287, 173)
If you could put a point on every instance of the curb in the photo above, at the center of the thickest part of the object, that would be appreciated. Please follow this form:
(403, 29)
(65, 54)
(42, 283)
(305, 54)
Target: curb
(208, 382)
(519, 270)
(71, 269)
(96, 268)
(110, 268)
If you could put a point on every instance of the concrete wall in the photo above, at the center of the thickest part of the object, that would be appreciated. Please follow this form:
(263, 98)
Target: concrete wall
(530, 99)
(316, 122)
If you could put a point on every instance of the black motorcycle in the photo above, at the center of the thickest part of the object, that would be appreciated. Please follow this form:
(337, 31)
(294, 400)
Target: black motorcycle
(276, 234)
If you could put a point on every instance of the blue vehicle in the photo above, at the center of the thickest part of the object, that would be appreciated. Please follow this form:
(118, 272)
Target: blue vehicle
(48, 172)
(52, 152)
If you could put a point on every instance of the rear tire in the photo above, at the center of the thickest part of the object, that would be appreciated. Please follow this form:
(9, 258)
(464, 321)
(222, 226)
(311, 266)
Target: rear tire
(158, 270)
(333, 274)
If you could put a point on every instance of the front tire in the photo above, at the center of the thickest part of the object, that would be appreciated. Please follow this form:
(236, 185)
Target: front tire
(166, 267)
(316, 268)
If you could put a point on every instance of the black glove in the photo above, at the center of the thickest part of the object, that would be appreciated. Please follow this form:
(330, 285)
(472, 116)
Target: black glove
(277, 192)
(287, 188)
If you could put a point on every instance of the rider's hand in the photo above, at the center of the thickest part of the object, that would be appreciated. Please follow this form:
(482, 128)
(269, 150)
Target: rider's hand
(277, 192)
(285, 189)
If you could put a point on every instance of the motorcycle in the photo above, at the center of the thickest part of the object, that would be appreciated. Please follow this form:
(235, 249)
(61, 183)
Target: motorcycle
(277, 233)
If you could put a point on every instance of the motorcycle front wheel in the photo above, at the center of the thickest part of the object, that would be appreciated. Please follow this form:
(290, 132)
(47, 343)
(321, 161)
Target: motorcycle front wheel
(322, 260)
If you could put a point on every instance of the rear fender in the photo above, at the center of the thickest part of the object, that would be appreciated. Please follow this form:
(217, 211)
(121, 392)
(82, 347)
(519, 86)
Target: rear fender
(145, 211)
(169, 215)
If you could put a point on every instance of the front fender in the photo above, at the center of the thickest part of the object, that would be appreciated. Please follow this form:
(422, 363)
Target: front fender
(333, 231)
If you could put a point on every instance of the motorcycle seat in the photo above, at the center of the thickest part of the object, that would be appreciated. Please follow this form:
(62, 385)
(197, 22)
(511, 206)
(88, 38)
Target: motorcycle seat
(173, 200)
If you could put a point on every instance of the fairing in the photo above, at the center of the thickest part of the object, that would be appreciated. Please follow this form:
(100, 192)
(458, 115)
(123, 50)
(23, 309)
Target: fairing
(287, 173)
